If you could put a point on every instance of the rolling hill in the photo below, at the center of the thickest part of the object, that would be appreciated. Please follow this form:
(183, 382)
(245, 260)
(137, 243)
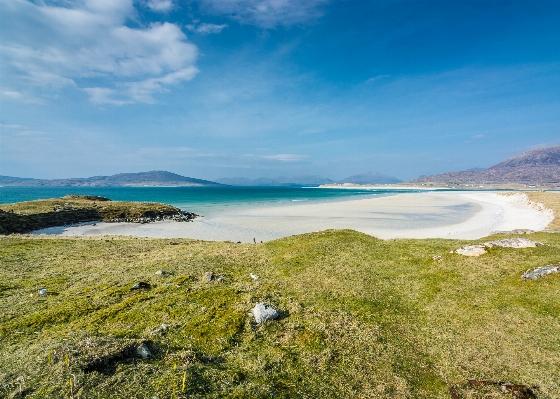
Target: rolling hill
(536, 167)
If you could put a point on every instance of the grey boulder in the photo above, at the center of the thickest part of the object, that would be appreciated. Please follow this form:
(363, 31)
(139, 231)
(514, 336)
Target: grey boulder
(538, 272)
(263, 312)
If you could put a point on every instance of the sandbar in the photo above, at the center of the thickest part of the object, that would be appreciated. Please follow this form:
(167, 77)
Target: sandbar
(457, 215)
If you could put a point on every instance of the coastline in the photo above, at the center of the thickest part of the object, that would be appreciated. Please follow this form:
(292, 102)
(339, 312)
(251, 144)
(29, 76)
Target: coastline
(442, 214)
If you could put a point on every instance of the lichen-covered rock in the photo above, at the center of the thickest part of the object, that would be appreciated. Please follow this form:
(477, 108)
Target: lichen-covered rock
(471, 250)
(538, 272)
(263, 312)
(512, 243)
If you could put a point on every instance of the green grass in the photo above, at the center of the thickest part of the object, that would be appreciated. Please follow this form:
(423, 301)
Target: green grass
(361, 318)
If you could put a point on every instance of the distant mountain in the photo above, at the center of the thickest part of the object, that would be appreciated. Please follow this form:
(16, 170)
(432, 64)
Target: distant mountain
(153, 178)
(283, 181)
(535, 167)
(370, 178)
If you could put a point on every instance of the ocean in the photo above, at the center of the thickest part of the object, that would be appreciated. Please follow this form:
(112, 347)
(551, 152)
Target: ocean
(207, 201)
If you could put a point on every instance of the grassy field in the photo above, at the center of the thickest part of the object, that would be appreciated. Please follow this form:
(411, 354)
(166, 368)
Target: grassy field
(360, 318)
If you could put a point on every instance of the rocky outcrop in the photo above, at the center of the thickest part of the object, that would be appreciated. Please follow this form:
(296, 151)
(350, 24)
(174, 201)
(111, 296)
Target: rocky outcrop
(36, 215)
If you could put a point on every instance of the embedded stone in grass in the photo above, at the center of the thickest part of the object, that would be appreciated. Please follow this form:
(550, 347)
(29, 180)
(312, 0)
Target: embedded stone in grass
(538, 272)
(161, 272)
(143, 352)
(161, 329)
(512, 243)
(263, 312)
(141, 286)
(42, 291)
(254, 276)
(209, 276)
(471, 250)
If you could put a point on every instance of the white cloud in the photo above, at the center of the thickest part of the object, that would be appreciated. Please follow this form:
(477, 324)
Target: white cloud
(55, 46)
(12, 95)
(206, 29)
(160, 5)
(267, 13)
(376, 78)
(285, 157)
(4, 126)
(478, 136)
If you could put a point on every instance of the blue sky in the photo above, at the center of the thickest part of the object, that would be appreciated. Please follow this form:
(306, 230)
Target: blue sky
(224, 88)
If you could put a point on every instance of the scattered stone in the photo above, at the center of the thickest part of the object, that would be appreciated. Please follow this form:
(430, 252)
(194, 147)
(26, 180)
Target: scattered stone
(143, 352)
(42, 291)
(161, 272)
(264, 312)
(538, 272)
(471, 250)
(254, 276)
(437, 257)
(141, 286)
(512, 243)
(209, 276)
(219, 279)
(517, 231)
(161, 329)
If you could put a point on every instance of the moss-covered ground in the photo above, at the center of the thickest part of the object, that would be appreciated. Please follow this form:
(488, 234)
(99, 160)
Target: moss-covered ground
(360, 318)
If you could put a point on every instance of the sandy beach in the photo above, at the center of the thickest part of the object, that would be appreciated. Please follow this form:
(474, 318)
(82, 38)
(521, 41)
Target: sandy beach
(464, 215)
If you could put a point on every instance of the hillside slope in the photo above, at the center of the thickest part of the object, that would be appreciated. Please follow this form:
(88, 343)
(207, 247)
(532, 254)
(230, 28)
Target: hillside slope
(535, 167)
(152, 178)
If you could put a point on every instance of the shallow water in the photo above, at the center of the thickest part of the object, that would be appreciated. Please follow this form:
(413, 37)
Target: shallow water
(207, 201)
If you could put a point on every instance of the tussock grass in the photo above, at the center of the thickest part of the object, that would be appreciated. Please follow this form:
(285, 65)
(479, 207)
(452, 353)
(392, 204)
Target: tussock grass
(361, 318)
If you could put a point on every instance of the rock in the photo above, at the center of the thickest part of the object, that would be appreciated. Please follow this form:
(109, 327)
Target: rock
(254, 276)
(161, 272)
(42, 291)
(538, 272)
(209, 276)
(143, 352)
(512, 243)
(141, 286)
(161, 329)
(437, 257)
(263, 312)
(471, 250)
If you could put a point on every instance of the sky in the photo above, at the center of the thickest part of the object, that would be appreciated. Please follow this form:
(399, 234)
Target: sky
(250, 88)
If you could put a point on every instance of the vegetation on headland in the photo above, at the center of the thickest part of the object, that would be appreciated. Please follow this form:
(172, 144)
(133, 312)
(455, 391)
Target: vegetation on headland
(23, 217)
(360, 318)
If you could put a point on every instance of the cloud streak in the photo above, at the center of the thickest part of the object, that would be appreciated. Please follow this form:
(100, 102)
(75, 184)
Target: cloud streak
(267, 14)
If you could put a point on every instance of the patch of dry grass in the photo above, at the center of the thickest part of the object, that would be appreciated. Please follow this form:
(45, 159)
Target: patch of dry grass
(361, 318)
(551, 201)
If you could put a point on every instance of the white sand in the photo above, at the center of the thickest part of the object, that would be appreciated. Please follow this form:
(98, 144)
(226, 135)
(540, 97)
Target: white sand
(410, 215)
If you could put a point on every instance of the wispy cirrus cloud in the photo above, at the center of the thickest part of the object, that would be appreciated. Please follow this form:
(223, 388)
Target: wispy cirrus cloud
(205, 28)
(267, 14)
(285, 157)
(160, 5)
(75, 43)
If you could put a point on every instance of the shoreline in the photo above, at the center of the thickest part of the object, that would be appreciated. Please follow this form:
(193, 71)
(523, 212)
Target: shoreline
(454, 215)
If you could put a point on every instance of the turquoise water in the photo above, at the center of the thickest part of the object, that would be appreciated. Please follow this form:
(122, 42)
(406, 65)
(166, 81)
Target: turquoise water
(205, 201)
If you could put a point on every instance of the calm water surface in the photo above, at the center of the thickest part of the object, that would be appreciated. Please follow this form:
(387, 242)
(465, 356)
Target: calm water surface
(205, 201)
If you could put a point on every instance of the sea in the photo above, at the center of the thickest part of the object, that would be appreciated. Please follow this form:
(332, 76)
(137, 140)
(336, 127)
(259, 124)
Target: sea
(205, 201)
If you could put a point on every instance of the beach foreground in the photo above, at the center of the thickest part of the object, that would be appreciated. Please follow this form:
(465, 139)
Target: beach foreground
(460, 215)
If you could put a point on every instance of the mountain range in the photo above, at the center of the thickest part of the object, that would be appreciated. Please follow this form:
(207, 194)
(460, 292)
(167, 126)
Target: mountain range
(162, 178)
(153, 178)
(536, 167)
(309, 180)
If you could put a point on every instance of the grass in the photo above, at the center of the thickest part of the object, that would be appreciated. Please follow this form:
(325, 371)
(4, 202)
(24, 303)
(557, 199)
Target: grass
(23, 217)
(551, 201)
(361, 318)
